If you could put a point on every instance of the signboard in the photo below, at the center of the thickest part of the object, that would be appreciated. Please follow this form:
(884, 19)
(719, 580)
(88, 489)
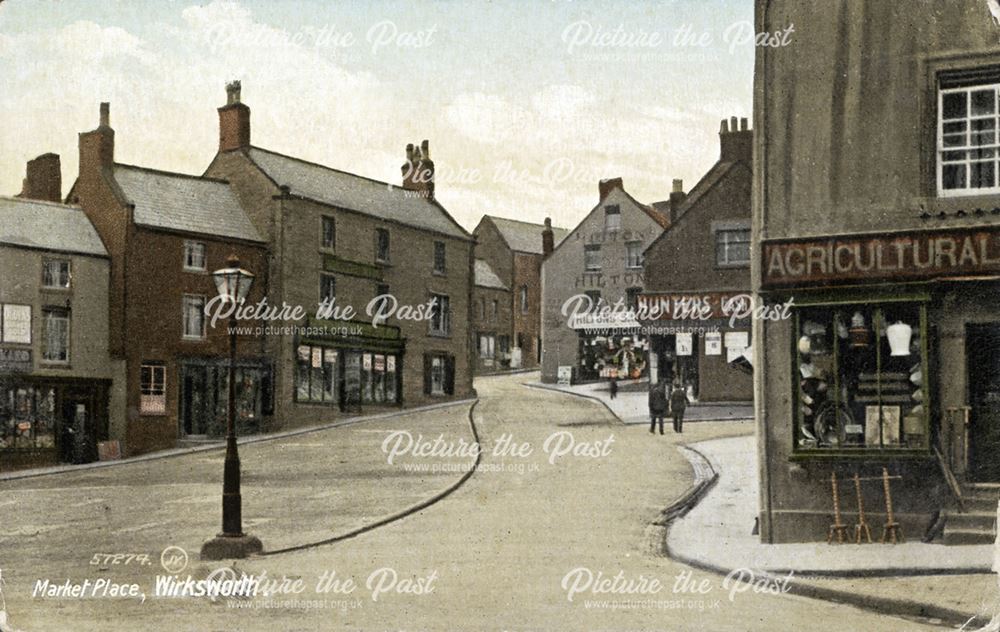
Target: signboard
(877, 257)
(713, 343)
(17, 324)
(737, 340)
(685, 344)
(367, 361)
(654, 306)
(330, 356)
(390, 364)
(380, 363)
(15, 360)
(109, 450)
(565, 375)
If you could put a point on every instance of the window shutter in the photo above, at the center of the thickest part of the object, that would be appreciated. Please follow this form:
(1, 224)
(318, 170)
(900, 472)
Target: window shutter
(449, 375)
(427, 374)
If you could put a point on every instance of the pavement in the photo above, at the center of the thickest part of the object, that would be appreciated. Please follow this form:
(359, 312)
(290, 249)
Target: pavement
(631, 405)
(559, 527)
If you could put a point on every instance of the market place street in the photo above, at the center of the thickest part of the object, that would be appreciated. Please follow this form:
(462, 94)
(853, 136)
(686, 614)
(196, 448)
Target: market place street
(518, 546)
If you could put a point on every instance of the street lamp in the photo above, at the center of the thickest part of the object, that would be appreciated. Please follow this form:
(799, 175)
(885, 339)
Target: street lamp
(233, 284)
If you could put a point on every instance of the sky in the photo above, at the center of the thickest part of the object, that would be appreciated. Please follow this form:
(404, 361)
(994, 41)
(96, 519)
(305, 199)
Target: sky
(527, 104)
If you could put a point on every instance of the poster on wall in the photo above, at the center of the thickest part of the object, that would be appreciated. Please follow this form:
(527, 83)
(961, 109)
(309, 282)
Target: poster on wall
(685, 344)
(366, 361)
(17, 324)
(713, 343)
(317, 357)
(737, 340)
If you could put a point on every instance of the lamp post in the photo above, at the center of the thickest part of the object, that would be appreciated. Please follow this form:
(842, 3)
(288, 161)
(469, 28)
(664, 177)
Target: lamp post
(233, 284)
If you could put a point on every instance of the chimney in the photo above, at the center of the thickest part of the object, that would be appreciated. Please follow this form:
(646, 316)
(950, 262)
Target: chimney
(677, 197)
(606, 186)
(418, 170)
(97, 147)
(735, 141)
(43, 180)
(548, 239)
(234, 120)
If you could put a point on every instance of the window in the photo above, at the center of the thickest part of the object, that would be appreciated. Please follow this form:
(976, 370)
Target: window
(153, 389)
(633, 254)
(524, 299)
(316, 374)
(327, 287)
(55, 274)
(494, 310)
(592, 257)
(328, 233)
(381, 289)
(595, 296)
(15, 324)
(612, 218)
(439, 374)
(487, 346)
(860, 376)
(194, 256)
(194, 317)
(482, 309)
(441, 315)
(55, 334)
(27, 417)
(967, 144)
(381, 245)
(439, 258)
(732, 247)
(632, 297)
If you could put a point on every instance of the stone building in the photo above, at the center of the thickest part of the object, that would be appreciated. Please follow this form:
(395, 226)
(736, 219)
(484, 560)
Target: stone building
(344, 239)
(600, 263)
(514, 250)
(60, 391)
(491, 320)
(877, 209)
(165, 233)
(697, 276)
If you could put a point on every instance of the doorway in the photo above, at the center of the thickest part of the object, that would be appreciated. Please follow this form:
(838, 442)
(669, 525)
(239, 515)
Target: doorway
(982, 346)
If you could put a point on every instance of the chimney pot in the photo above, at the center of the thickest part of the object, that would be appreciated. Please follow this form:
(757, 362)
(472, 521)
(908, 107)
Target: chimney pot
(233, 92)
(725, 127)
(548, 238)
(678, 186)
(743, 124)
(732, 124)
(425, 149)
(105, 114)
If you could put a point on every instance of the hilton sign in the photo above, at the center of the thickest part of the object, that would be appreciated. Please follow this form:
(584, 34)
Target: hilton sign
(904, 256)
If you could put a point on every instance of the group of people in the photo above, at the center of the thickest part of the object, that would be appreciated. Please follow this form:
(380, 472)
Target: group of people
(661, 405)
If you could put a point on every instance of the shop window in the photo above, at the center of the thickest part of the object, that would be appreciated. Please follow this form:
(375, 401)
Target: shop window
(439, 374)
(612, 218)
(316, 375)
(15, 324)
(27, 418)
(194, 317)
(55, 334)
(381, 245)
(524, 299)
(633, 254)
(328, 233)
(439, 257)
(441, 315)
(56, 274)
(967, 144)
(194, 256)
(732, 247)
(327, 288)
(592, 257)
(861, 372)
(153, 389)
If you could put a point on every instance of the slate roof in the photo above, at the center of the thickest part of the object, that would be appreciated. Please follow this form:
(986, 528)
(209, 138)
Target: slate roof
(525, 236)
(358, 193)
(486, 277)
(191, 204)
(48, 225)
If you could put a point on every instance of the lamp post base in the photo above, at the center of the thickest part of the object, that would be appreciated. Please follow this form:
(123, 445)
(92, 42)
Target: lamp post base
(230, 547)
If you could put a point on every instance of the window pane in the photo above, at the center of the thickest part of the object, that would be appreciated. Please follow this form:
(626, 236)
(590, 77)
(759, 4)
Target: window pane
(983, 102)
(953, 176)
(982, 175)
(954, 105)
(983, 132)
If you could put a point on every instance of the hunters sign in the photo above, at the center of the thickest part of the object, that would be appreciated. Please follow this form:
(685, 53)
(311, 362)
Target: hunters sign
(915, 255)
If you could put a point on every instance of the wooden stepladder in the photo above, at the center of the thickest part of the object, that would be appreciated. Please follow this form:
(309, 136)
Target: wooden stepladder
(891, 532)
(838, 528)
(862, 527)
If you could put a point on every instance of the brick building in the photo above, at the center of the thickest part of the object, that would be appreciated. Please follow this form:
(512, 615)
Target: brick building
(165, 233)
(514, 251)
(60, 392)
(704, 259)
(346, 238)
(600, 259)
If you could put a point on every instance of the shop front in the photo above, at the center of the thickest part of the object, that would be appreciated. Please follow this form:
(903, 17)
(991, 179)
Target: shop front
(204, 396)
(612, 347)
(355, 366)
(888, 370)
(48, 420)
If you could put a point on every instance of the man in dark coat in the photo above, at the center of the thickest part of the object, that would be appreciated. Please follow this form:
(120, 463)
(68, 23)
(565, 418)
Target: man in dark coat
(657, 405)
(678, 404)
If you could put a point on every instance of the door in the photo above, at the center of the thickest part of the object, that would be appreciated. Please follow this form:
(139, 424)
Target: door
(196, 405)
(77, 437)
(983, 371)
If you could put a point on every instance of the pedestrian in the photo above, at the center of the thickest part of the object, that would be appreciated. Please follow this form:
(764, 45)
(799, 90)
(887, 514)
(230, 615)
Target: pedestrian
(657, 405)
(678, 404)
(613, 387)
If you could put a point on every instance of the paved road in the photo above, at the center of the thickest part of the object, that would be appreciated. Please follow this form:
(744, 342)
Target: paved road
(506, 551)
